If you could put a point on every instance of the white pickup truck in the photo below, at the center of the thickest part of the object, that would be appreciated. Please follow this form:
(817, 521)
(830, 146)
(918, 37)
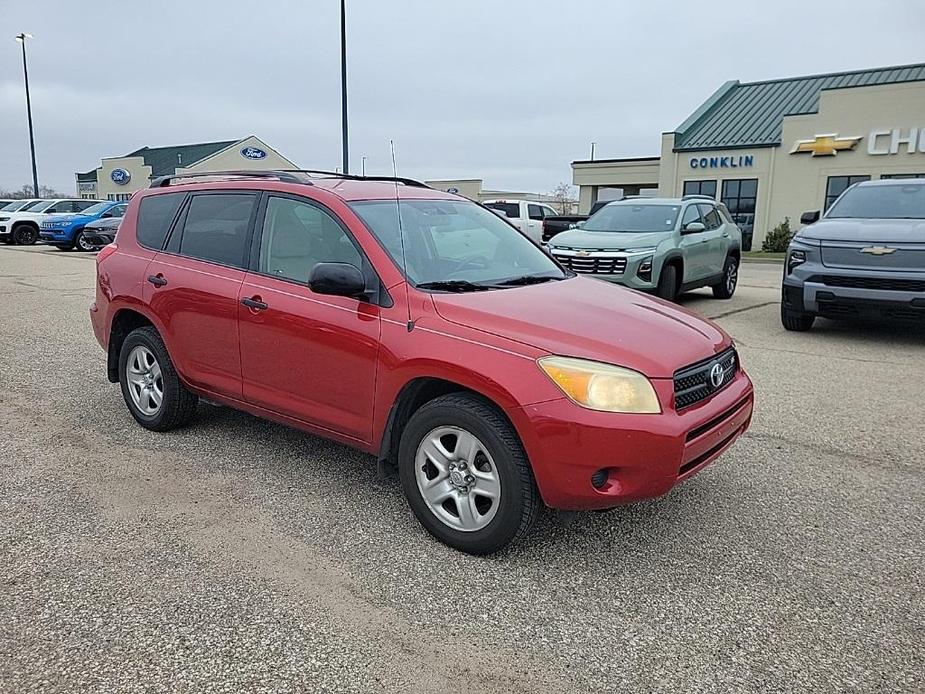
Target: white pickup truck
(525, 215)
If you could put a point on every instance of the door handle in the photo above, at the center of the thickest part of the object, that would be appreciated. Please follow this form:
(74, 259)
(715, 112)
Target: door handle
(157, 280)
(254, 303)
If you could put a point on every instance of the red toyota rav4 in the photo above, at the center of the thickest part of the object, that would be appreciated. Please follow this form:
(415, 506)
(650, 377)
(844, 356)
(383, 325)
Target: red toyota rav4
(417, 326)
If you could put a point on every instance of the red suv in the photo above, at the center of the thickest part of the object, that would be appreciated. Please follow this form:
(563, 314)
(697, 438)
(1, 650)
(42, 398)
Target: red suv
(417, 326)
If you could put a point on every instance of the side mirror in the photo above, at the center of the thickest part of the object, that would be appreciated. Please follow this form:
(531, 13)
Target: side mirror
(810, 217)
(694, 228)
(337, 279)
(106, 215)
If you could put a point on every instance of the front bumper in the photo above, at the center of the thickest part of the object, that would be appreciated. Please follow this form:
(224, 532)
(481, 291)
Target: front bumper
(835, 293)
(55, 236)
(643, 456)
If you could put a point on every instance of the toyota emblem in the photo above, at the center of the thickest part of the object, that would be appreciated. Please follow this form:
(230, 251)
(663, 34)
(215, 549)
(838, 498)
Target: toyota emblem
(717, 374)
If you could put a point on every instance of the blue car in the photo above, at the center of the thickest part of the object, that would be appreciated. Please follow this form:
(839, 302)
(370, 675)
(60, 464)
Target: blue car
(66, 231)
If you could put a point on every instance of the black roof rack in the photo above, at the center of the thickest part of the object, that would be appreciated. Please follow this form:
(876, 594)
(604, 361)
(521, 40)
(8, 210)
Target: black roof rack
(355, 177)
(285, 176)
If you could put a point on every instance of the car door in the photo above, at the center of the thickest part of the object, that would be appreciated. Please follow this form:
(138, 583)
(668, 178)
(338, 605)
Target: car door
(693, 245)
(193, 286)
(533, 224)
(717, 239)
(305, 355)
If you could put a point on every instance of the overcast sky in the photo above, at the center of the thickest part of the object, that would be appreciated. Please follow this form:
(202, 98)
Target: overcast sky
(510, 92)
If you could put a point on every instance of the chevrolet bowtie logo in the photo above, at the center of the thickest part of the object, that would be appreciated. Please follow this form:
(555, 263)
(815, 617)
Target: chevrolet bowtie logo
(878, 250)
(825, 145)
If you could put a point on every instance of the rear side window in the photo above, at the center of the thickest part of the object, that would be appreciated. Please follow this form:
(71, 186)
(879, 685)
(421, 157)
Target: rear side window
(216, 227)
(154, 218)
(508, 209)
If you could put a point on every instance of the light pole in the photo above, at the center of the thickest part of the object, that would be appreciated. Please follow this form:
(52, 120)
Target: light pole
(363, 165)
(343, 82)
(592, 150)
(21, 37)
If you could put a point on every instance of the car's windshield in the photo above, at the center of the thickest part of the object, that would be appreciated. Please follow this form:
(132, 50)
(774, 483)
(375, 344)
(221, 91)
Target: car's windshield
(881, 202)
(508, 209)
(39, 206)
(98, 208)
(630, 218)
(14, 206)
(454, 241)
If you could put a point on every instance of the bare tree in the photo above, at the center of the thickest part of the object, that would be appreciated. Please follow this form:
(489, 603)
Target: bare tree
(26, 192)
(563, 197)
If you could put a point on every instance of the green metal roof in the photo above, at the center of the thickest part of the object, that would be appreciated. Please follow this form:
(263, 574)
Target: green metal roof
(751, 114)
(165, 160)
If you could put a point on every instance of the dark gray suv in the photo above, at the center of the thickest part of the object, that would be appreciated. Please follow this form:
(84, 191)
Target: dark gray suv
(864, 258)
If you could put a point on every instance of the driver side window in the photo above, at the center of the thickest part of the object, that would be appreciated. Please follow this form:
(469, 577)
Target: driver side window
(691, 215)
(297, 236)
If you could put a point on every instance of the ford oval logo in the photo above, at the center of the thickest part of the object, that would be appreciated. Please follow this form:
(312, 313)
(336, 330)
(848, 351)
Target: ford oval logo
(452, 190)
(120, 177)
(253, 153)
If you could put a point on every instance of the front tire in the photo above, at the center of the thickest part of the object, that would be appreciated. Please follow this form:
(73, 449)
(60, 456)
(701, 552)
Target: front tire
(796, 321)
(667, 288)
(466, 475)
(151, 387)
(727, 287)
(25, 235)
(81, 244)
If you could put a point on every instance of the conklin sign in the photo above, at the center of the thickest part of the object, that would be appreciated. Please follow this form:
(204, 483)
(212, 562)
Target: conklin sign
(892, 141)
(728, 162)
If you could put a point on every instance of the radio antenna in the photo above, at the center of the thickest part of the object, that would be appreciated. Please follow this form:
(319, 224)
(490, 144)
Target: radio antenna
(401, 238)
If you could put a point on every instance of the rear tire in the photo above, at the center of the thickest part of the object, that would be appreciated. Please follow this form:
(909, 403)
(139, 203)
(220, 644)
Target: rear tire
(25, 235)
(151, 387)
(796, 321)
(501, 501)
(727, 287)
(668, 283)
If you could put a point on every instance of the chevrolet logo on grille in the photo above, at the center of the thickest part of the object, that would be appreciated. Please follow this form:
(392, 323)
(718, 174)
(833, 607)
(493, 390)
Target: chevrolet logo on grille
(825, 145)
(878, 250)
(582, 254)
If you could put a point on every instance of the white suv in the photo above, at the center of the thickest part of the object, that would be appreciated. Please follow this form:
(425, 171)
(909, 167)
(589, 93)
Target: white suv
(22, 226)
(525, 215)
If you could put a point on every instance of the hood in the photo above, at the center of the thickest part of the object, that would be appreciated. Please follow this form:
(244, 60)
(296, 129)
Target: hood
(607, 240)
(108, 223)
(590, 319)
(63, 218)
(866, 230)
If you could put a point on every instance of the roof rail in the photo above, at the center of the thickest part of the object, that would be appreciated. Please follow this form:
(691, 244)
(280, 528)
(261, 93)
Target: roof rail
(284, 176)
(697, 196)
(355, 177)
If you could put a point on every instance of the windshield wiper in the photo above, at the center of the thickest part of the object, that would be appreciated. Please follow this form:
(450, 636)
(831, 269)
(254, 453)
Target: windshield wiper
(454, 286)
(528, 279)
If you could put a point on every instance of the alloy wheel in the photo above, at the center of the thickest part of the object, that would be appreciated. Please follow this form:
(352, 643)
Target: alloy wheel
(145, 381)
(83, 244)
(457, 478)
(732, 276)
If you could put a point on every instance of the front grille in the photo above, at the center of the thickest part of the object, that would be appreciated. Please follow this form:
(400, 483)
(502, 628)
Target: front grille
(694, 383)
(592, 265)
(885, 283)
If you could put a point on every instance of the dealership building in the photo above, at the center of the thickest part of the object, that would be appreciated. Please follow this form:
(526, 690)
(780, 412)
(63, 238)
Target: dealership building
(118, 177)
(772, 150)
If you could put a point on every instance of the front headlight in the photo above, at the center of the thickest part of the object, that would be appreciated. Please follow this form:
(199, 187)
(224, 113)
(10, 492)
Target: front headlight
(796, 257)
(4, 219)
(602, 387)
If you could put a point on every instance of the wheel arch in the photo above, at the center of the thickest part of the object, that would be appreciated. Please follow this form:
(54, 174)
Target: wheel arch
(416, 393)
(124, 321)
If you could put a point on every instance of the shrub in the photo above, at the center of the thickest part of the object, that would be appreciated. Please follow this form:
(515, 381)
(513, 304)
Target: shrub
(778, 238)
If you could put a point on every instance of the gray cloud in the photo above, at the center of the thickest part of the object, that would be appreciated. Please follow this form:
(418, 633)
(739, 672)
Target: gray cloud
(510, 91)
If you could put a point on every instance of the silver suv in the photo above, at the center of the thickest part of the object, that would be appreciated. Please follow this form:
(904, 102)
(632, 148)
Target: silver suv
(661, 245)
(864, 258)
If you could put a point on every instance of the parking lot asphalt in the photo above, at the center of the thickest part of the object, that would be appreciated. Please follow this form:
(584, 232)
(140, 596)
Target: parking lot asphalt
(239, 555)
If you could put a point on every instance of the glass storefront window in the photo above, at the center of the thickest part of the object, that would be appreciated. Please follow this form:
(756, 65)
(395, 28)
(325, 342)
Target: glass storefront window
(707, 188)
(739, 196)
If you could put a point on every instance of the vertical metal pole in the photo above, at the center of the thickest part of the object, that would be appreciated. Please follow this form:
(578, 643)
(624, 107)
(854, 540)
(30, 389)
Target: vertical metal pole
(592, 150)
(25, 72)
(343, 82)
(363, 165)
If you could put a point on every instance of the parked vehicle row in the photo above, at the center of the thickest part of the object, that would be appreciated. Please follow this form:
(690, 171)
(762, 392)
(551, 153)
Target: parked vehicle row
(20, 221)
(67, 231)
(525, 215)
(660, 245)
(420, 327)
(559, 223)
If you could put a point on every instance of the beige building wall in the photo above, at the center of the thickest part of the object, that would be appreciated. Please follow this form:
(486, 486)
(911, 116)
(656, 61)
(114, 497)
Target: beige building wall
(596, 177)
(467, 187)
(231, 159)
(140, 176)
